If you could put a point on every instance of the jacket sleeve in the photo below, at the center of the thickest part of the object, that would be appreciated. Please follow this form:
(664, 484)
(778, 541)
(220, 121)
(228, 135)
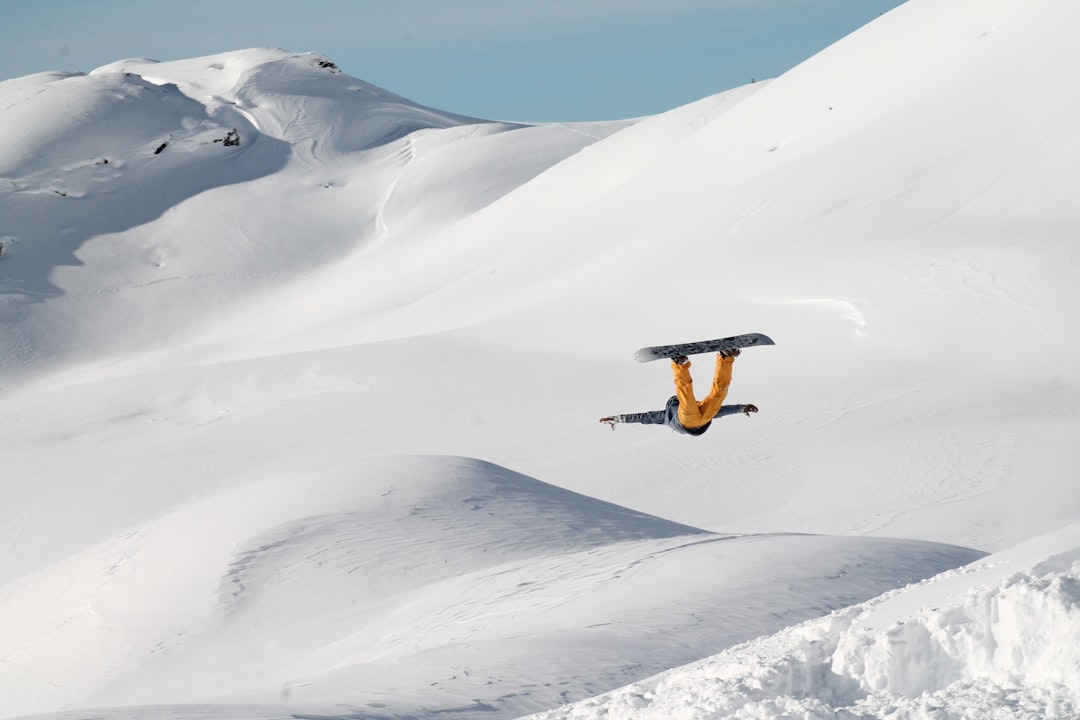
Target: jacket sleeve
(730, 410)
(656, 417)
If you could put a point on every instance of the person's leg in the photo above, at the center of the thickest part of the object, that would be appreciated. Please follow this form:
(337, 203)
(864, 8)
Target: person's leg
(689, 410)
(708, 407)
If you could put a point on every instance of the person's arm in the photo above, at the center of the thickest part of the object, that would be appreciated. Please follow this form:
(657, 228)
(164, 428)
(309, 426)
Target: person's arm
(656, 417)
(736, 409)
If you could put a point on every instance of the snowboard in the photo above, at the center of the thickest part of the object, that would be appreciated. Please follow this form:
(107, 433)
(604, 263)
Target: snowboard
(704, 346)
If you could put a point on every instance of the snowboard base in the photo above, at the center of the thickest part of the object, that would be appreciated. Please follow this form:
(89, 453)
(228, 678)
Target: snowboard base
(658, 352)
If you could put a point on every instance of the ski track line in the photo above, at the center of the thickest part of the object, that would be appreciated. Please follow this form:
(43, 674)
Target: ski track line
(656, 554)
(176, 278)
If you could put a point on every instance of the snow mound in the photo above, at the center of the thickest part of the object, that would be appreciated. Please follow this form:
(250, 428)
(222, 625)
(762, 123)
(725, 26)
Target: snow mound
(315, 583)
(985, 641)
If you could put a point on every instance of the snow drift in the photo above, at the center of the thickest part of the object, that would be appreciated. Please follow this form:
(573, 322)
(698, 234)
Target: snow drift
(999, 638)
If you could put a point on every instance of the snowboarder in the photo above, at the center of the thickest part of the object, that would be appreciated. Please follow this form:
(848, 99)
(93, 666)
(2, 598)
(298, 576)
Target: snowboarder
(683, 412)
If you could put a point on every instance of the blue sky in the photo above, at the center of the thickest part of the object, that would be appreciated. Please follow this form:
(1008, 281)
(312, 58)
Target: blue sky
(540, 60)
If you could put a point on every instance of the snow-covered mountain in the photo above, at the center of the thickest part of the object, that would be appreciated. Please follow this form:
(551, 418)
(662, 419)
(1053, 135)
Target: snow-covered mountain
(300, 383)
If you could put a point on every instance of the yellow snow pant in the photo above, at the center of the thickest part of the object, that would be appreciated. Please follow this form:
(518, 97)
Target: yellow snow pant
(693, 414)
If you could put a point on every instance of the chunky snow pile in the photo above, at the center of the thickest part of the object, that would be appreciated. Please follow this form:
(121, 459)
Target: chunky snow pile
(997, 639)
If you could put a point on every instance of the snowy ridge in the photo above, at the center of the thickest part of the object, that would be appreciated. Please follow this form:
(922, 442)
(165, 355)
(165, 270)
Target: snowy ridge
(967, 643)
(302, 99)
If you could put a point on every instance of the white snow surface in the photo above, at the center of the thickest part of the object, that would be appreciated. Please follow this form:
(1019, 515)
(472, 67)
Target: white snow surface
(997, 639)
(299, 383)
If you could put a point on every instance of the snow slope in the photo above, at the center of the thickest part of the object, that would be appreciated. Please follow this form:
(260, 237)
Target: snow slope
(404, 583)
(997, 639)
(244, 296)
